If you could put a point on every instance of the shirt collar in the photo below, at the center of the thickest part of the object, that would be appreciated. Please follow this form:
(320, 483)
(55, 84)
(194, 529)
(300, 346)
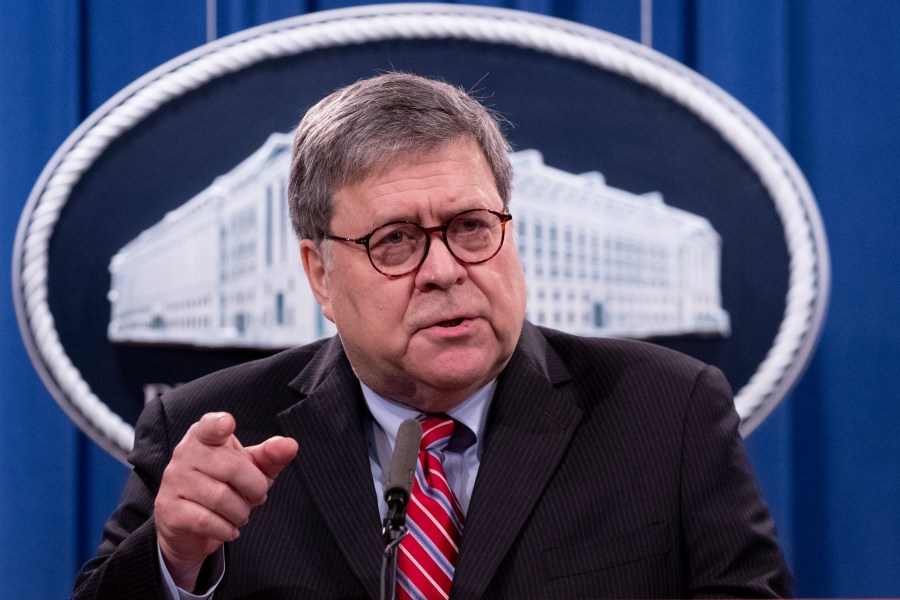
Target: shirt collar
(472, 412)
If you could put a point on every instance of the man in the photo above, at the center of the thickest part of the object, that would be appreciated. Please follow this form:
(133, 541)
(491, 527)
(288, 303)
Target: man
(566, 467)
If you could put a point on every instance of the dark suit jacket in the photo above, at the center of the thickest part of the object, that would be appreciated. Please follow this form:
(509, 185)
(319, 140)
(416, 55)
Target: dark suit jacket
(611, 469)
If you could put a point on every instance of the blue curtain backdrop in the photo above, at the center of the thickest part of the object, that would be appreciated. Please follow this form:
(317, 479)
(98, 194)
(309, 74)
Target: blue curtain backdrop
(824, 75)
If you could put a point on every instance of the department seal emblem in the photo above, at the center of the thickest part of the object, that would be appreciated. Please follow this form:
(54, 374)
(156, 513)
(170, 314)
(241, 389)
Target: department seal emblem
(174, 184)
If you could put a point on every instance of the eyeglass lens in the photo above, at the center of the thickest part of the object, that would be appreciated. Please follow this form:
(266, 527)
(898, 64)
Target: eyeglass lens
(472, 237)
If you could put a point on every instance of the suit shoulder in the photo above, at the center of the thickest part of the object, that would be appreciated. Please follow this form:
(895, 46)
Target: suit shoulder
(614, 356)
(650, 382)
(254, 385)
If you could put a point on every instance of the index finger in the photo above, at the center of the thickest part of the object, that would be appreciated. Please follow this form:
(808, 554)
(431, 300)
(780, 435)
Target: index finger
(213, 429)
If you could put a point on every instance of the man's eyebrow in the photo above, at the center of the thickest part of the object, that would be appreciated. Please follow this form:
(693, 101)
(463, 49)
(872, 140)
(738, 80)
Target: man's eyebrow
(413, 218)
(376, 223)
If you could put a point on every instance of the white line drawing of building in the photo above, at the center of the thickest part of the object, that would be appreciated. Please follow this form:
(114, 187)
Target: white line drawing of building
(223, 270)
(602, 261)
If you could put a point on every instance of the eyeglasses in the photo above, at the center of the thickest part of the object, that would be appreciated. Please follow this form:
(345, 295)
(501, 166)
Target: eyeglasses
(473, 236)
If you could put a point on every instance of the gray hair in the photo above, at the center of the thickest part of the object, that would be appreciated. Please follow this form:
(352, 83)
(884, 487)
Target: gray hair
(349, 134)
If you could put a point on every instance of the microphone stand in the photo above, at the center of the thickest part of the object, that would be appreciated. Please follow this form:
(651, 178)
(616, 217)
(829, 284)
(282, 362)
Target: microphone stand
(393, 532)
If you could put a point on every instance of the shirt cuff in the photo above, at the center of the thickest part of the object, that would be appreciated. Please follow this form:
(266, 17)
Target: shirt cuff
(173, 592)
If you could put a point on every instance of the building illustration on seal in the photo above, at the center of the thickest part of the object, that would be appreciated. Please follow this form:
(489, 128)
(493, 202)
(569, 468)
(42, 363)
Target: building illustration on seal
(223, 269)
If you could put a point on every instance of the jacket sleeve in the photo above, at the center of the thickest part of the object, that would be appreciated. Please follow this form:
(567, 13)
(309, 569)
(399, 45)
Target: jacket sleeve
(127, 564)
(730, 546)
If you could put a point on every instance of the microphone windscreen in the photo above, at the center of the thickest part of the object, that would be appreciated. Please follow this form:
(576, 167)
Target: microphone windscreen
(406, 453)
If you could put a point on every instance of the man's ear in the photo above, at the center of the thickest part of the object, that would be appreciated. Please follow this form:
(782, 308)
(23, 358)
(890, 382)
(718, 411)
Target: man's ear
(314, 265)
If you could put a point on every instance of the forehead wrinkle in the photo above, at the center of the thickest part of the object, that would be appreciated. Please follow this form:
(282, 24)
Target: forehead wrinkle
(407, 188)
(413, 183)
(464, 196)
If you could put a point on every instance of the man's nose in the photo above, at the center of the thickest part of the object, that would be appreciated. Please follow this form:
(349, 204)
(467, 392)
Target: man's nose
(440, 269)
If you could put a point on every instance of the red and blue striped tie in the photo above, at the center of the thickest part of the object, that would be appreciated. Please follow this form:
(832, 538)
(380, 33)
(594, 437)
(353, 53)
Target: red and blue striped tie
(427, 557)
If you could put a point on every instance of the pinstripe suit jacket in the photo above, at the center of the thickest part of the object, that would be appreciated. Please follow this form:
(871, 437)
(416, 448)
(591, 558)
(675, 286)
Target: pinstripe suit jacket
(611, 469)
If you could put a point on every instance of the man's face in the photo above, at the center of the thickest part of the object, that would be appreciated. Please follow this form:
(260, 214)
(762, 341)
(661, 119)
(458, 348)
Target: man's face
(430, 338)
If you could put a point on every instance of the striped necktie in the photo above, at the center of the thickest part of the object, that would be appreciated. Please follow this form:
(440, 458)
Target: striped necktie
(427, 557)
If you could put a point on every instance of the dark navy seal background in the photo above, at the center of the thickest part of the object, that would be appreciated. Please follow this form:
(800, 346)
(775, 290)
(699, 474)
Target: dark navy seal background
(822, 75)
(640, 140)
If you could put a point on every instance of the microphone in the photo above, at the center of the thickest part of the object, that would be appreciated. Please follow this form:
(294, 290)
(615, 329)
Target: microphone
(398, 488)
(397, 491)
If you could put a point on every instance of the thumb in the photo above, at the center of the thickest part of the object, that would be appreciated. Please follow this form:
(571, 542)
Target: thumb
(214, 429)
(273, 454)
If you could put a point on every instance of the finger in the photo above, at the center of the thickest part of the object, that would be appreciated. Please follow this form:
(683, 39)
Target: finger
(194, 528)
(273, 454)
(228, 462)
(216, 496)
(213, 429)
(236, 468)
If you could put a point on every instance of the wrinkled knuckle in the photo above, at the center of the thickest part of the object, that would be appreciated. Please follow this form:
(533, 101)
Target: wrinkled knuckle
(191, 432)
(171, 524)
(219, 497)
(254, 500)
(243, 517)
(160, 504)
(171, 470)
(259, 492)
(181, 450)
(202, 524)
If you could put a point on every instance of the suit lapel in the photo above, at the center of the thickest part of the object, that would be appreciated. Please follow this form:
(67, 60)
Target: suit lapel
(333, 458)
(531, 422)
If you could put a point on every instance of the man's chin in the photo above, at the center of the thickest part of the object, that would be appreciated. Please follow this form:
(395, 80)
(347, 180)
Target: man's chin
(453, 379)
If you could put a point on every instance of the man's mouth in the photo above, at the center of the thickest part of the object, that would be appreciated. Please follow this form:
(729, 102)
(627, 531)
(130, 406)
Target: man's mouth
(450, 323)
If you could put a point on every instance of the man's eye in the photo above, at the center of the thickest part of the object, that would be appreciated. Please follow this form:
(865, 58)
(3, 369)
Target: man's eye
(395, 237)
(471, 225)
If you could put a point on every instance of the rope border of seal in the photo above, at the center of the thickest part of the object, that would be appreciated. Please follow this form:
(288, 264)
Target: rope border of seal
(809, 270)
